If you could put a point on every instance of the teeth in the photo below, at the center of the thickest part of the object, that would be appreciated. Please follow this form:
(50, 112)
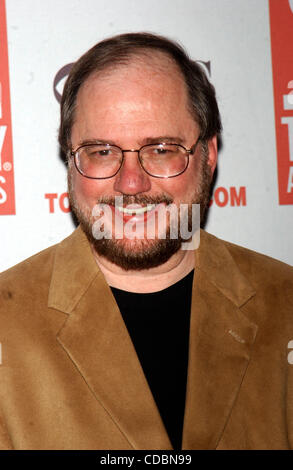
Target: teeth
(137, 210)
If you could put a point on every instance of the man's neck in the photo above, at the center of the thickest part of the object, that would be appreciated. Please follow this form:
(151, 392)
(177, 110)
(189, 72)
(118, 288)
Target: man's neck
(149, 280)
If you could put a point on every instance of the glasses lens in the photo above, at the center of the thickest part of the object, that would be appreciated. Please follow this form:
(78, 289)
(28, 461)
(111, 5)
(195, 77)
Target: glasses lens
(98, 161)
(164, 160)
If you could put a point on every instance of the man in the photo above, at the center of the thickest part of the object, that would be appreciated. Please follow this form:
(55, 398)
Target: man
(119, 339)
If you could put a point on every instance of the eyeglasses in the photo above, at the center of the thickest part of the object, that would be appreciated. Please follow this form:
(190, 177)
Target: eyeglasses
(102, 161)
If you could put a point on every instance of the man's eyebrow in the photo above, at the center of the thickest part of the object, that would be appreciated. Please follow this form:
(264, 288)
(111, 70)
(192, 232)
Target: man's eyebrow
(145, 141)
(162, 138)
(95, 141)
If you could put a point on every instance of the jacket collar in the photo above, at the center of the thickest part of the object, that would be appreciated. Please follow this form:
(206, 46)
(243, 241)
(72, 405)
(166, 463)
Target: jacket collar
(215, 261)
(73, 271)
(74, 261)
(97, 341)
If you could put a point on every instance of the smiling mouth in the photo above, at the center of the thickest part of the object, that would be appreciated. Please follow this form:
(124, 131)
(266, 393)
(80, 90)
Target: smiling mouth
(138, 210)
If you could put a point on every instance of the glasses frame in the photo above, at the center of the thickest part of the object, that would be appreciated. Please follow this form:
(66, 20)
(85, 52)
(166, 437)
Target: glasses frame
(73, 153)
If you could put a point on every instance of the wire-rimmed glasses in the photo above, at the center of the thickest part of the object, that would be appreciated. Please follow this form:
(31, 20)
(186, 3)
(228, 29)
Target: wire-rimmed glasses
(102, 161)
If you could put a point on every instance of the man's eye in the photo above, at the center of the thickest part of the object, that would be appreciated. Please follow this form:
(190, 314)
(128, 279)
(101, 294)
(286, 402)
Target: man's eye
(164, 151)
(97, 153)
(104, 153)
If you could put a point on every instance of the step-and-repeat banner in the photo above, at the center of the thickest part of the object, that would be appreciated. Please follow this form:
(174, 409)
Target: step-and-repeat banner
(246, 47)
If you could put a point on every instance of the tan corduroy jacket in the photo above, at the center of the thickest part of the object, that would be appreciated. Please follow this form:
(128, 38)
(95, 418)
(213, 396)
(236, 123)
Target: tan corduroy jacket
(70, 377)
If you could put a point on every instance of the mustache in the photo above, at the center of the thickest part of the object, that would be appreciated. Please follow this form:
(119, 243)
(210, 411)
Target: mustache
(142, 200)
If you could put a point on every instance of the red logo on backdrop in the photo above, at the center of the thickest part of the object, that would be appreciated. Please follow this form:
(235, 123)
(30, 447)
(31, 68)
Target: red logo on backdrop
(7, 199)
(281, 19)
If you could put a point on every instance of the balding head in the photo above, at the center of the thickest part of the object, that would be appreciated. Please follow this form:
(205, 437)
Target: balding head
(150, 51)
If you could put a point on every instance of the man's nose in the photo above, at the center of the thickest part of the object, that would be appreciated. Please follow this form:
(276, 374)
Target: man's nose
(132, 179)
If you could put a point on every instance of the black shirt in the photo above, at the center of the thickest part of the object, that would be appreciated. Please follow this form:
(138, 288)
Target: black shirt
(158, 324)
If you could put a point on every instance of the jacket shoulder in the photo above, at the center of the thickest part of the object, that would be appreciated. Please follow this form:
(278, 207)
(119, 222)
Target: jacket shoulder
(257, 264)
(28, 279)
(247, 260)
(264, 284)
(270, 278)
(234, 265)
(29, 265)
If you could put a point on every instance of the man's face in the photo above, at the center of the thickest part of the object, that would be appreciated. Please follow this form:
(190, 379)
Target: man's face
(133, 105)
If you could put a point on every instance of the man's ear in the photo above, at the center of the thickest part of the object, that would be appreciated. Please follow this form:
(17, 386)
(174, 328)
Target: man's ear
(213, 153)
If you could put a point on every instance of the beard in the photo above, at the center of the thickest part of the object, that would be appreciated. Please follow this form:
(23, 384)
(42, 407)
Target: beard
(140, 254)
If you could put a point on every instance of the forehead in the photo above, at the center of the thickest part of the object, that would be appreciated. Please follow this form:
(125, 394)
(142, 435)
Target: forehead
(146, 93)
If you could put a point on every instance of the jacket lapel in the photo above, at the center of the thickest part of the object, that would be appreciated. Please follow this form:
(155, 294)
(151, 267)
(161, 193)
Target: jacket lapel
(96, 340)
(221, 337)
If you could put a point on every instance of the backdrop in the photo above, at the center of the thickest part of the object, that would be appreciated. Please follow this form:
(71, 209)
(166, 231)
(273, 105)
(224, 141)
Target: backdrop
(245, 46)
